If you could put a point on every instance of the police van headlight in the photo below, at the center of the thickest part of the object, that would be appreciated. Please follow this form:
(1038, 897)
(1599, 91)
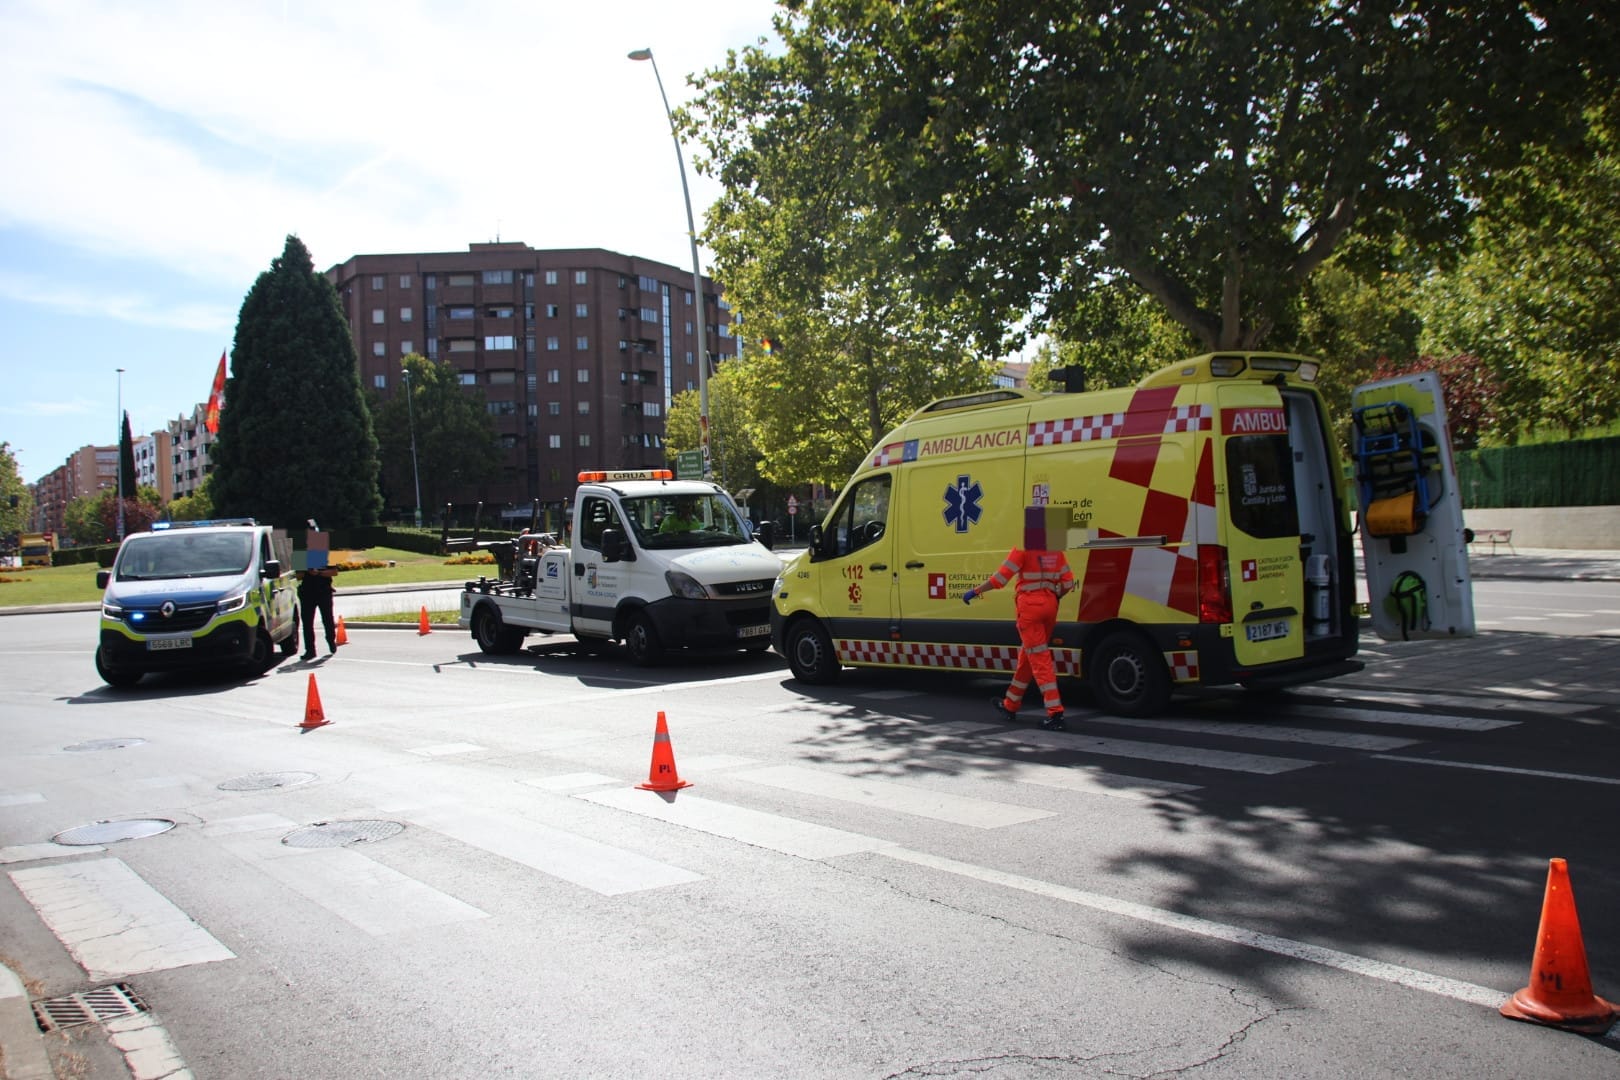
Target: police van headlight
(111, 611)
(685, 585)
(232, 603)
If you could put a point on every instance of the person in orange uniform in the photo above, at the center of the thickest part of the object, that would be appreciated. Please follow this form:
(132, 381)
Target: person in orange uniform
(1044, 577)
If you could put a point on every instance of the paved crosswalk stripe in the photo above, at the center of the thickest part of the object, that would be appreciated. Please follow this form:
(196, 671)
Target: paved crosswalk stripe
(1348, 698)
(899, 798)
(357, 889)
(596, 866)
(570, 781)
(21, 798)
(1178, 755)
(1343, 739)
(35, 852)
(770, 831)
(1471, 993)
(1084, 779)
(1578, 777)
(113, 922)
(446, 749)
(1386, 716)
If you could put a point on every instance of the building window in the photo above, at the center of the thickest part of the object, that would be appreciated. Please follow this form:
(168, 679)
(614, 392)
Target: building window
(582, 311)
(551, 277)
(649, 315)
(463, 345)
(583, 375)
(553, 408)
(499, 341)
(651, 408)
(430, 281)
(647, 284)
(584, 440)
(503, 311)
(528, 344)
(380, 381)
(580, 277)
(584, 408)
(554, 442)
(433, 348)
(379, 348)
(551, 311)
(502, 378)
(497, 277)
(377, 316)
(582, 343)
(467, 378)
(554, 375)
(458, 313)
(404, 281)
(501, 408)
(553, 344)
(463, 280)
(405, 348)
(533, 410)
(404, 314)
(378, 282)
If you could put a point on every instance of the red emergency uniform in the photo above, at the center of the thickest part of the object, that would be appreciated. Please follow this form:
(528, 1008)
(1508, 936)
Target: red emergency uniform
(1043, 577)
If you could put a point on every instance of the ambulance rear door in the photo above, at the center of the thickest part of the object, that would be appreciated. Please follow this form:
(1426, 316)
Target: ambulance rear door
(1256, 485)
(1410, 519)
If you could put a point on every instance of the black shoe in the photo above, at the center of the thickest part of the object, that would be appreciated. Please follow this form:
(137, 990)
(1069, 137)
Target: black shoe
(331, 646)
(1009, 715)
(310, 655)
(1054, 722)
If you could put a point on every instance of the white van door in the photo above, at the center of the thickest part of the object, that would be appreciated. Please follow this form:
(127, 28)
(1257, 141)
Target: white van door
(1410, 520)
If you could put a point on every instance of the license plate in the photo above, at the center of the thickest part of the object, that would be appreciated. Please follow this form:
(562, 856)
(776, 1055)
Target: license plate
(755, 631)
(1265, 631)
(159, 644)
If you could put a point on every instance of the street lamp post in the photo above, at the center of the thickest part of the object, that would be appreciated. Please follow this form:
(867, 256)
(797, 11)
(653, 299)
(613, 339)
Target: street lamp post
(697, 273)
(410, 412)
(120, 455)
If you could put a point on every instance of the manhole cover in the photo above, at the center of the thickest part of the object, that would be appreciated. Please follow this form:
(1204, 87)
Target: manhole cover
(110, 832)
(105, 744)
(324, 834)
(89, 1007)
(264, 781)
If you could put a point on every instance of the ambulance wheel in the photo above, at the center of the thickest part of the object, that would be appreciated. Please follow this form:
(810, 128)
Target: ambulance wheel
(641, 639)
(1128, 675)
(810, 653)
(118, 678)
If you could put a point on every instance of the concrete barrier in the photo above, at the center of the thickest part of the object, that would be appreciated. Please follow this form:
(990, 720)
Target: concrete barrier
(1576, 528)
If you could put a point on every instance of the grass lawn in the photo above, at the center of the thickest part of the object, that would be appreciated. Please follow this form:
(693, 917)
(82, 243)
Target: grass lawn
(77, 584)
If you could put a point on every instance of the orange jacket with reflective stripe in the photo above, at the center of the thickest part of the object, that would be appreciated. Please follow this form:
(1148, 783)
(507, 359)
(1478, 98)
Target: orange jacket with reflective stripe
(1036, 571)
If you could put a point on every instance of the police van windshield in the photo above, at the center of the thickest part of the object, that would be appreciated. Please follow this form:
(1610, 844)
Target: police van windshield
(185, 555)
(678, 521)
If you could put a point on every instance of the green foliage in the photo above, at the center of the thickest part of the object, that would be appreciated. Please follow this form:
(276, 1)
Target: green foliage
(734, 458)
(456, 441)
(194, 507)
(295, 437)
(93, 519)
(126, 459)
(1117, 334)
(13, 518)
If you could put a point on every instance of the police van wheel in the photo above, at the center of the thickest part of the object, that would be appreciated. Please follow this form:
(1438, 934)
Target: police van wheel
(1128, 676)
(263, 657)
(641, 639)
(810, 653)
(119, 678)
(289, 644)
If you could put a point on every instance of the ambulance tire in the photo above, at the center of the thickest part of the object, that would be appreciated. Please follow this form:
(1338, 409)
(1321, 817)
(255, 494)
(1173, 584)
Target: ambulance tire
(810, 653)
(641, 640)
(1128, 676)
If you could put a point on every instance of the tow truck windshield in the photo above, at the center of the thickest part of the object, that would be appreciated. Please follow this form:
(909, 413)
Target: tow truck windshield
(682, 521)
(185, 555)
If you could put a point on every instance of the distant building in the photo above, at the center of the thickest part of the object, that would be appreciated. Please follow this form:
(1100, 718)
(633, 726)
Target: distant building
(578, 352)
(189, 443)
(86, 471)
(154, 464)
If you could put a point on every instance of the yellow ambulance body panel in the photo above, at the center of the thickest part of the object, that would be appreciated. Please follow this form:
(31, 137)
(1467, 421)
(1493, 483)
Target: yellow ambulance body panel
(1210, 530)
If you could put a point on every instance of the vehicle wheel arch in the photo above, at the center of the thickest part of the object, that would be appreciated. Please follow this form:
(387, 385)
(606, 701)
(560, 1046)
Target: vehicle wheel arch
(1124, 668)
(809, 650)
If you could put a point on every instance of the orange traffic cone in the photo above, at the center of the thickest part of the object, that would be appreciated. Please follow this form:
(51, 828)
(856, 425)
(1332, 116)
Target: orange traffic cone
(422, 626)
(314, 717)
(342, 635)
(1560, 991)
(662, 776)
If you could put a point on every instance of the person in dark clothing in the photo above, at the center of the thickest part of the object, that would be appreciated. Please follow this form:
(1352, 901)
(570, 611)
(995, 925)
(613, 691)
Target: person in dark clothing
(315, 591)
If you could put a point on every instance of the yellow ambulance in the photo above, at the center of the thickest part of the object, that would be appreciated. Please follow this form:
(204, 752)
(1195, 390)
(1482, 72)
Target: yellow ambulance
(1212, 529)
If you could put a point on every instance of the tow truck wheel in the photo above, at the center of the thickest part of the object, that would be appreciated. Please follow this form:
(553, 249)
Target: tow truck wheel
(1128, 675)
(118, 678)
(641, 639)
(493, 636)
(810, 653)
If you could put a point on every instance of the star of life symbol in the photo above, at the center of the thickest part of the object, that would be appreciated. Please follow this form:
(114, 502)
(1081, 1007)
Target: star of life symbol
(962, 503)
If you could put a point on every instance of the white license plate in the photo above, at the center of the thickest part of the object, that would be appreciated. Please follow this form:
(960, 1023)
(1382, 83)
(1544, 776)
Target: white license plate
(159, 644)
(755, 631)
(1265, 631)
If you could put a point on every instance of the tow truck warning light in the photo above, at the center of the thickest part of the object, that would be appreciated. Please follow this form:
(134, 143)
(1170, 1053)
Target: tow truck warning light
(625, 474)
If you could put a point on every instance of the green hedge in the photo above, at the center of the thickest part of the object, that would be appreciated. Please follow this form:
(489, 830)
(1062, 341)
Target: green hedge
(1584, 472)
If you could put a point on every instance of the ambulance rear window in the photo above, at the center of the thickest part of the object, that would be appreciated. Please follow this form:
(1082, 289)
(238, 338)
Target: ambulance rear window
(1260, 485)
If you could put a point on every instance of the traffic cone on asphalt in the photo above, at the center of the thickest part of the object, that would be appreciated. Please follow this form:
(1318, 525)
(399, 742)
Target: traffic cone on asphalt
(422, 626)
(1560, 991)
(314, 717)
(342, 635)
(662, 775)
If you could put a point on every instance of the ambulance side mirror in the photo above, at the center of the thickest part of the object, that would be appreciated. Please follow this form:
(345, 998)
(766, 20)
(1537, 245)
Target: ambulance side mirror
(815, 542)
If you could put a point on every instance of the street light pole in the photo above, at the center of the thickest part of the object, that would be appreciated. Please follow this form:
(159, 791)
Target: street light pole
(120, 455)
(697, 273)
(410, 412)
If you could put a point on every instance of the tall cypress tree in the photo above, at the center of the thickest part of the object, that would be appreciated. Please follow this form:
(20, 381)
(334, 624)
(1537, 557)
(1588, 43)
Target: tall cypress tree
(295, 438)
(126, 460)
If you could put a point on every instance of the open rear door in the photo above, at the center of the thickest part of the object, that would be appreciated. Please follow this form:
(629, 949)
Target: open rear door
(1411, 518)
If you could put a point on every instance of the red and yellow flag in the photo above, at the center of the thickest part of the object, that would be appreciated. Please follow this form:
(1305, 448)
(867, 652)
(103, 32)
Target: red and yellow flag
(216, 398)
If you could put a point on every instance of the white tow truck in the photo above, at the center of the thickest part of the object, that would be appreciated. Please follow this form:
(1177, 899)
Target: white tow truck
(655, 563)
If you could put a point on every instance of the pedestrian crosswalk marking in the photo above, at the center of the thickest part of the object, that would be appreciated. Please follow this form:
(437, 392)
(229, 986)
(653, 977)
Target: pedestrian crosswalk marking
(1341, 739)
(1386, 716)
(1547, 774)
(1227, 760)
(773, 832)
(897, 798)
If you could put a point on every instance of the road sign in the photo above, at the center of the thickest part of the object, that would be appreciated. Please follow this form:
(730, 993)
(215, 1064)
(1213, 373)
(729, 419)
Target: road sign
(793, 504)
(689, 465)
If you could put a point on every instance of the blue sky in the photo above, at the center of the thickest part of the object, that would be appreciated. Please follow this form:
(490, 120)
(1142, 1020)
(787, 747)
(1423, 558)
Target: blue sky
(159, 153)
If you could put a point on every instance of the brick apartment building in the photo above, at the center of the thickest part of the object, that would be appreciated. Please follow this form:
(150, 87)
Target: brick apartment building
(578, 352)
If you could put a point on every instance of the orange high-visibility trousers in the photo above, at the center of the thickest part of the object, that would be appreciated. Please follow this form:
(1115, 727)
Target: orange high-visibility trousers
(1037, 619)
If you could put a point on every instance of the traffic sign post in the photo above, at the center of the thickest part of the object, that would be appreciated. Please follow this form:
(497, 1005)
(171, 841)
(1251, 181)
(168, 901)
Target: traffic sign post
(793, 518)
(689, 465)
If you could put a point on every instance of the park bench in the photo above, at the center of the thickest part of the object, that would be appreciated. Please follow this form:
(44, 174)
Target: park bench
(1494, 537)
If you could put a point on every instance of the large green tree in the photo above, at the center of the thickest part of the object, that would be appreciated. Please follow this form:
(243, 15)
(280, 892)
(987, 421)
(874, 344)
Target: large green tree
(14, 515)
(295, 437)
(126, 460)
(456, 445)
(93, 519)
(1214, 155)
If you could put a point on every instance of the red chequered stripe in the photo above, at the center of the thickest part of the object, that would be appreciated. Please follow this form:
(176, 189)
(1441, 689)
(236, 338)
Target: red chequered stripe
(1189, 418)
(892, 454)
(1076, 429)
(951, 657)
(1183, 666)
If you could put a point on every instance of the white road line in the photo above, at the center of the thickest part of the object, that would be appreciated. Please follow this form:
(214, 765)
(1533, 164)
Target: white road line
(570, 781)
(21, 798)
(1431, 701)
(113, 922)
(1343, 739)
(800, 839)
(147, 1049)
(1178, 755)
(1298, 950)
(599, 867)
(1084, 779)
(446, 749)
(1384, 716)
(36, 852)
(697, 763)
(897, 798)
(1578, 777)
(360, 891)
